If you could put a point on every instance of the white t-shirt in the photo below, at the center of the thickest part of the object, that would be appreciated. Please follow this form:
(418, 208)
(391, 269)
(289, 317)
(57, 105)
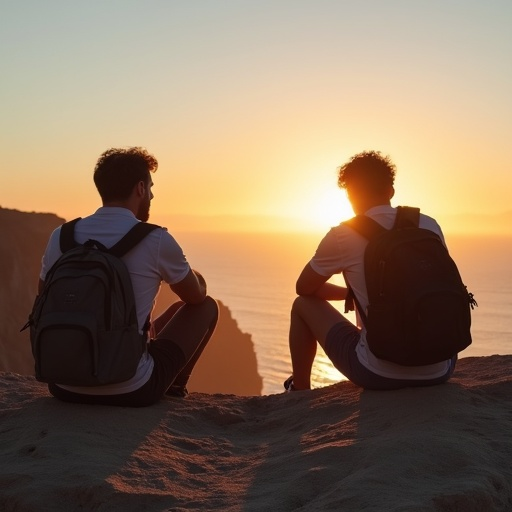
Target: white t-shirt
(342, 250)
(157, 258)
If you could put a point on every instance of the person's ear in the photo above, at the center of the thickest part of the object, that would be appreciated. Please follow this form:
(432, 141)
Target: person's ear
(391, 192)
(141, 188)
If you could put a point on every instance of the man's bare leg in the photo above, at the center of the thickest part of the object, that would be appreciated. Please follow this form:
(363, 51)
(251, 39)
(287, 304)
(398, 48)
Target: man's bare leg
(311, 320)
(190, 326)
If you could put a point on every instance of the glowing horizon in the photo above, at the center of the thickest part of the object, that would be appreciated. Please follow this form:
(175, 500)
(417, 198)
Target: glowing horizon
(250, 107)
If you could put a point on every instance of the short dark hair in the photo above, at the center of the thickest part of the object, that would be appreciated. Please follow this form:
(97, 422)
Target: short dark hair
(369, 171)
(118, 170)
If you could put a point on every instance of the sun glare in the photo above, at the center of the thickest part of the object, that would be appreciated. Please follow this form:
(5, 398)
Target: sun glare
(330, 208)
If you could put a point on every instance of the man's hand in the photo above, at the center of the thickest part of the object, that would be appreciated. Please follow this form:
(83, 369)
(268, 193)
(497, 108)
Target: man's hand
(330, 291)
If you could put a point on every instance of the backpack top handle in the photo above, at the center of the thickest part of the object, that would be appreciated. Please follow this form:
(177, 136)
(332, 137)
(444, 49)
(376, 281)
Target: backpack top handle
(407, 217)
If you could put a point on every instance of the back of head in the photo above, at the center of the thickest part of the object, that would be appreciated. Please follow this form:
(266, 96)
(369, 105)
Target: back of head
(367, 173)
(118, 170)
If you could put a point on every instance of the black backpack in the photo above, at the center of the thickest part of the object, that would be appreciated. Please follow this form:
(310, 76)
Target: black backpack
(419, 309)
(83, 326)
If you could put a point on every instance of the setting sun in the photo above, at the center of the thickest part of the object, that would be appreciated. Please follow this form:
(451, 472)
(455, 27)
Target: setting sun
(330, 208)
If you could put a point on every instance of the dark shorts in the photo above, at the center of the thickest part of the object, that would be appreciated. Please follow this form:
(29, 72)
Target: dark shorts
(169, 361)
(340, 348)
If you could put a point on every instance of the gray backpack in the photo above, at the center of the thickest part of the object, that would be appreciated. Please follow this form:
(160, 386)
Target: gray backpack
(83, 325)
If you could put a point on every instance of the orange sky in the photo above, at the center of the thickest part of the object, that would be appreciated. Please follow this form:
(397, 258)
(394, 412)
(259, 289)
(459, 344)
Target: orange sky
(251, 106)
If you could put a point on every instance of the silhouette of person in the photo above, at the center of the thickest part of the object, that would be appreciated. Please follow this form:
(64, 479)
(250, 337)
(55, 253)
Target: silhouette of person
(368, 179)
(179, 335)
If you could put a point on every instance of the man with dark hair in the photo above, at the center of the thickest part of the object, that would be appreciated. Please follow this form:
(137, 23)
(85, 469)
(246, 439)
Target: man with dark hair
(117, 171)
(179, 335)
(368, 179)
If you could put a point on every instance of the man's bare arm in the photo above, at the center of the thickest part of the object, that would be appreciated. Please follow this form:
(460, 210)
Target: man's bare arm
(312, 283)
(191, 289)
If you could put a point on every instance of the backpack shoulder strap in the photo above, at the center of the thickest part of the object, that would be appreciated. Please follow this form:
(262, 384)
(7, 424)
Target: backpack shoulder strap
(365, 226)
(370, 229)
(67, 235)
(407, 217)
(132, 238)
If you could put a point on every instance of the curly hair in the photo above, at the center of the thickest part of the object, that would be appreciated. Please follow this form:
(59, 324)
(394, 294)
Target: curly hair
(118, 170)
(368, 171)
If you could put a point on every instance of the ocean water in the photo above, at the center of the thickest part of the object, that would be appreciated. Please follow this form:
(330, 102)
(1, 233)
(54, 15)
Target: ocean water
(254, 275)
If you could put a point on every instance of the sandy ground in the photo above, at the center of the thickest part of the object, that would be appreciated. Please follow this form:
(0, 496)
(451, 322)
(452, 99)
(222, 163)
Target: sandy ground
(444, 448)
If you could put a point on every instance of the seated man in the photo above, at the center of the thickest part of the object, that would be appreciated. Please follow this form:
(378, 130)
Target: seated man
(368, 179)
(123, 180)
